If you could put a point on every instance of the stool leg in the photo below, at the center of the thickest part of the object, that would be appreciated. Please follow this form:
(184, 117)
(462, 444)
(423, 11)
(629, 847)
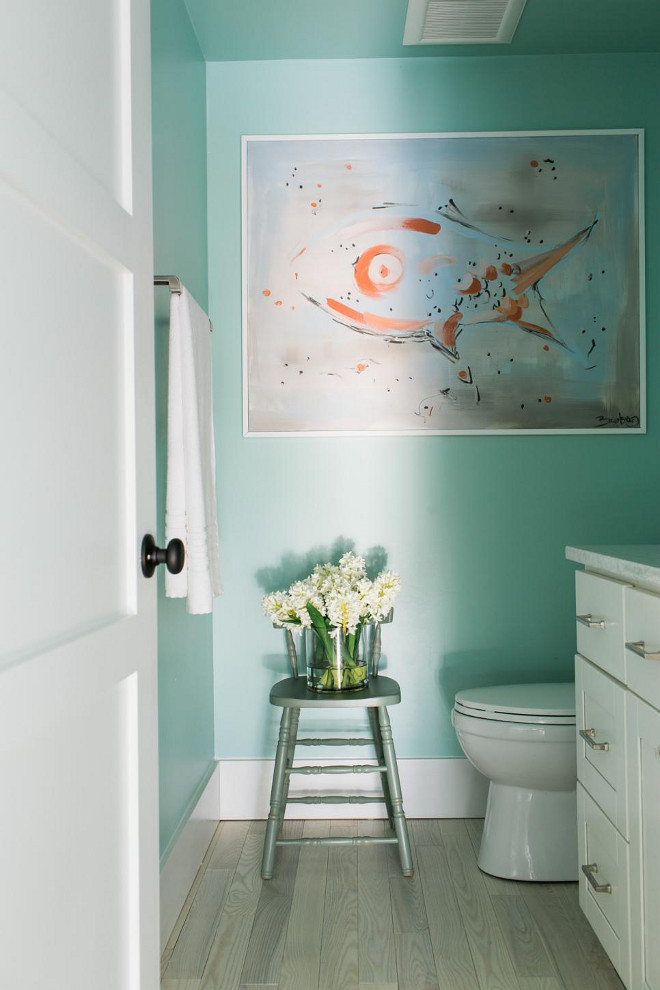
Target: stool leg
(276, 795)
(400, 824)
(378, 745)
(293, 736)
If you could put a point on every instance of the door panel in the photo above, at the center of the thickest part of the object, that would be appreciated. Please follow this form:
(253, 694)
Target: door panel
(86, 92)
(57, 866)
(70, 431)
(78, 750)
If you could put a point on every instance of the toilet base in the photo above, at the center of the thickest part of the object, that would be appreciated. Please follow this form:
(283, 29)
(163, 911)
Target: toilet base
(530, 834)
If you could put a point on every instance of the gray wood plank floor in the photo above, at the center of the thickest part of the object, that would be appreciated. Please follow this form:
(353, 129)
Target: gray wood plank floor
(343, 918)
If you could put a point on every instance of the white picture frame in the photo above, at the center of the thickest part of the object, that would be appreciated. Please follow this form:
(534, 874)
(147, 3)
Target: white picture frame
(544, 230)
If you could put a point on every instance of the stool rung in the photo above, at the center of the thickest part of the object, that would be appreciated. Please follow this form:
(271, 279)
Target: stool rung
(355, 768)
(338, 840)
(337, 799)
(314, 741)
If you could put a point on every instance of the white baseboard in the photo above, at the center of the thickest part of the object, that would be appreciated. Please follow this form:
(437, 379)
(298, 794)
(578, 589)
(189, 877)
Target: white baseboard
(183, 856)
(432, 788)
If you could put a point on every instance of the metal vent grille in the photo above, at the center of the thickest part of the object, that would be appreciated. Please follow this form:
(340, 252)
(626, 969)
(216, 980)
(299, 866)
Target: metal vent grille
(456, 22)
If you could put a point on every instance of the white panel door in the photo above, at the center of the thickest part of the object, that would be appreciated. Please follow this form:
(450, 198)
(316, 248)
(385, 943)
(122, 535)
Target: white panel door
(78, 757)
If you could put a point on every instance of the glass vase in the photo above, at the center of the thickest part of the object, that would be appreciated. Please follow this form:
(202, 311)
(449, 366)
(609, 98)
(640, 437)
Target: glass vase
(338, 661)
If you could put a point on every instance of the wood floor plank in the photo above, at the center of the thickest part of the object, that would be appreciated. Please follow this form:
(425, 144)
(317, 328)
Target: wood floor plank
(453, 959)
(608, 979)
(339, 944)
(183, 914)
(494, 885)
(227, 956)
(491, 959)
(194, 943)
(215, 838)
(317, 829)
(376, 957)
(425, 831)
(540, 983)
(180, 922)
(227, 850)
(522, 937)
(371, 826)
(180, 985)
(559, 937)
(414, 962)
(301, 958)
(567, 895)
(263, 957)
(408, 908)
(346, 826)
(390, 853)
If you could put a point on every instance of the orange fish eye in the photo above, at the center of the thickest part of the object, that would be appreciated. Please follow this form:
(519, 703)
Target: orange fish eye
(379, 269)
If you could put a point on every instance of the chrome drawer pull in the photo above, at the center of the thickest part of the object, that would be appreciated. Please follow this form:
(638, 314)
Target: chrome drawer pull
(640, 649)
(589, 735)
(600, 888)
(590, 622)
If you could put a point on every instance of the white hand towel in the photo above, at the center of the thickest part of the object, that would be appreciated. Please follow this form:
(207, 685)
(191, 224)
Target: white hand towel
(191, 511)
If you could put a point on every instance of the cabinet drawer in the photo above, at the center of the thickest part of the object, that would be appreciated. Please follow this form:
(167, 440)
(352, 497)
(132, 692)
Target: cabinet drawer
(642, 627)
(600, 609)
(601, 847)
(601, 748)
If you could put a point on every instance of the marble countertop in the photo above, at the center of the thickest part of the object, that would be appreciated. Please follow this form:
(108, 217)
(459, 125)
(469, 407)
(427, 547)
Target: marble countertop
(637, 563)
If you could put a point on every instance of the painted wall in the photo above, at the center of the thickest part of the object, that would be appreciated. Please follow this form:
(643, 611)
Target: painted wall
(476, 526)
(185, 681)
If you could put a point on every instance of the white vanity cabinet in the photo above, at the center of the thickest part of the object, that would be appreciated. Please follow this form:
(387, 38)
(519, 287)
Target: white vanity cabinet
(617, 677)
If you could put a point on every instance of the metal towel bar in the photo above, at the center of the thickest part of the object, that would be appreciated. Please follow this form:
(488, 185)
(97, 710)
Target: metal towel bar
(174, 284)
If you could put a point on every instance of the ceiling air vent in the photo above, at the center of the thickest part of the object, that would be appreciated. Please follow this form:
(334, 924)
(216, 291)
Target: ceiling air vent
(461, 22)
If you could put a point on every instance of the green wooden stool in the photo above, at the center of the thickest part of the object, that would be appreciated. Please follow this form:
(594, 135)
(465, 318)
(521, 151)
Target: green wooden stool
(293, 694)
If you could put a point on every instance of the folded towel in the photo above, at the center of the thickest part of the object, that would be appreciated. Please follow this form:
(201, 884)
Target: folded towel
(191, 511)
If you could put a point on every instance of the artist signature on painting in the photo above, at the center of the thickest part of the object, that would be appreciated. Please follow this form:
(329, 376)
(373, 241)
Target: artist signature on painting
(618, 420)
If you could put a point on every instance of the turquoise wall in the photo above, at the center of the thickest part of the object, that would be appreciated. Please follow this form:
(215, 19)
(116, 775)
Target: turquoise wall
(185, 644)
(475, 525)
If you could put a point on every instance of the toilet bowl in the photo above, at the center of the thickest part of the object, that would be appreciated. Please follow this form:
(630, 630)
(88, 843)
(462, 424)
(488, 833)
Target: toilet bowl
(522, 738)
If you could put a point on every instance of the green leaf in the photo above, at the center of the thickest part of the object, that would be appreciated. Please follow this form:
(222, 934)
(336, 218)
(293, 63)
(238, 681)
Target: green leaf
(318, 622)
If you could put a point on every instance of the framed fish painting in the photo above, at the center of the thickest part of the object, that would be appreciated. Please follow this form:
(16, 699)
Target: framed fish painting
(443, 283)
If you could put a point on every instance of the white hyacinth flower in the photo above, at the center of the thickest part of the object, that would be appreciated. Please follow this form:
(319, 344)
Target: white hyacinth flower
(281, 610)
(342, 594)
(302, 592)
(385, 589)
(344, 610)
(352, 567)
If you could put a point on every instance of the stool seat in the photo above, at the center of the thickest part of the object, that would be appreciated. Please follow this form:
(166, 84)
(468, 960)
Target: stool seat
(294, 693)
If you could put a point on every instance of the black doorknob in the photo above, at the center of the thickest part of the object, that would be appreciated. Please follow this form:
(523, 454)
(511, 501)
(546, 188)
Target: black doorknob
(173, 556)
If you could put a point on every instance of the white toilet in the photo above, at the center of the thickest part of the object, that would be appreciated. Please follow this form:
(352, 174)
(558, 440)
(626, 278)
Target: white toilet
(522, 738)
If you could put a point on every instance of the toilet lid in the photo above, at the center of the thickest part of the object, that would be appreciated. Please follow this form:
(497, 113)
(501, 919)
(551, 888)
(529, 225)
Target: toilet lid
(543, 704)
